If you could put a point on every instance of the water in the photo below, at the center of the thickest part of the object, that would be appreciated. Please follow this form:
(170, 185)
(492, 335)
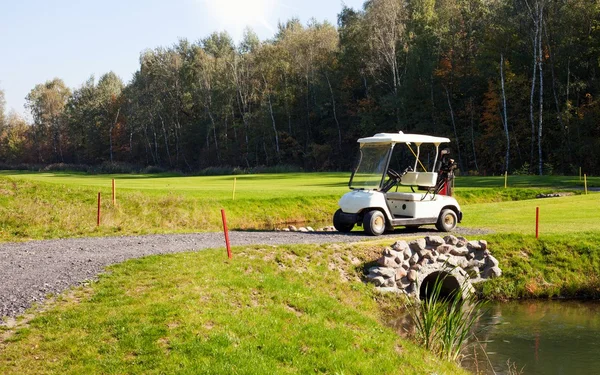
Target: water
(540, 337)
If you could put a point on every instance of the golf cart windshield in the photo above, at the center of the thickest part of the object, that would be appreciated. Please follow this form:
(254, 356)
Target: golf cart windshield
(371, 167)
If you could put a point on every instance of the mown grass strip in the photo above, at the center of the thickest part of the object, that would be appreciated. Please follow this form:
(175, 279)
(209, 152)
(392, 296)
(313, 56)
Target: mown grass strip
(275, 310)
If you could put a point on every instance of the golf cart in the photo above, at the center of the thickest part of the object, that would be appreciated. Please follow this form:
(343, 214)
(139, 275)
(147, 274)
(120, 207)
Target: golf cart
(373, 205)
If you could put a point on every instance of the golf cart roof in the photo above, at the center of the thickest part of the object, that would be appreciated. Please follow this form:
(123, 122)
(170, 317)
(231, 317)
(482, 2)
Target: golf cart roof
(400, 137)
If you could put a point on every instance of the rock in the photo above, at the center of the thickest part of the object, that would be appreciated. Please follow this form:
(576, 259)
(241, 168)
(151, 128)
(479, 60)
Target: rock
(286, 229)
(459, 251)
(483, 244)
(412, 275)
(444, 249)
(378, 281)
(388, 252)
(310, 229)
(428, 255)
(461, 242)
(474, 263)
(423, 252)
(400, 273)
(442, 258)
(417, 244)
(474, 245)
(451, 240)
(491, 261)
(388, 262)
(492, 272)
(292, 228)
(390, 282)
(303, 230)
(434, 241)
(400, 245)
(413, 259)
(403, 282)
(416, 267)
(407, 253)
(382, 271)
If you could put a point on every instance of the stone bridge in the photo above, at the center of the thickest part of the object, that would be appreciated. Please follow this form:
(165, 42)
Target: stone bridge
(413, 267)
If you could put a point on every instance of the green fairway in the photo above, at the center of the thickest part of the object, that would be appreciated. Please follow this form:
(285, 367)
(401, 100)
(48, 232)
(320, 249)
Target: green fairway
(262, 186)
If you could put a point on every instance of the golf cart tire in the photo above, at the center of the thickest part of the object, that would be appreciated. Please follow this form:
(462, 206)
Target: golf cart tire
(446, 221)
(374, 223)
(339, 224)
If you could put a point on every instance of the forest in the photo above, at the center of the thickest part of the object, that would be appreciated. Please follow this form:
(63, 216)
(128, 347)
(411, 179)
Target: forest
(513, 83)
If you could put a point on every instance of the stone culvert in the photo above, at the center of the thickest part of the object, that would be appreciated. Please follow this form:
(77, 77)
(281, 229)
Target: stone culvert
(413, 267)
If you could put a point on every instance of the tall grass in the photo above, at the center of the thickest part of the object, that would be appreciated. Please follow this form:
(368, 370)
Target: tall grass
(444, 324)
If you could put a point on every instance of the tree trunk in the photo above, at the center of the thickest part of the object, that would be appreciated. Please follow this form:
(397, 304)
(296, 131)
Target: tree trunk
(531, 97)
(337, 123)
(454, 127)
(505, 118)
(540, 62)
(110, 134)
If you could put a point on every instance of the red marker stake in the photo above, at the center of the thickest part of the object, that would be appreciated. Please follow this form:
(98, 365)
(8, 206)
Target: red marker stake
(537, 222)
(98, 222)
(226, 233)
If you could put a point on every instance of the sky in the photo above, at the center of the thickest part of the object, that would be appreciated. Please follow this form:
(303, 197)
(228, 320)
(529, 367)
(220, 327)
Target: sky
(72, 40)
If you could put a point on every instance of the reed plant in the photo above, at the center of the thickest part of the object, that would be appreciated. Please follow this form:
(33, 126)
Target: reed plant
(444, 323)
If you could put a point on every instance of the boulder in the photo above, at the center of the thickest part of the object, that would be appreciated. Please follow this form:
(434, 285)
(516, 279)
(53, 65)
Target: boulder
(444, 249)
(292, 228)
(423, 252)
(388, 252)
(403, 282)
(434, 241)
(412, 275)
(451, 240)
(417, 244)
(400, 245)
(474, 245)
(459, 251)
(413, 259)
(400, 273)
(382, 271)
(388, 262)
(378, 281)
(310, 229)
(491, 261)
(303, 230)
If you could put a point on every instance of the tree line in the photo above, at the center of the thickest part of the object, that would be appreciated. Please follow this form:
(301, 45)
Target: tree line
(513, 83)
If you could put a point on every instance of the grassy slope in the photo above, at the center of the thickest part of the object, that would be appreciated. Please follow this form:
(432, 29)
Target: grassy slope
(284, 310)
(50, 205)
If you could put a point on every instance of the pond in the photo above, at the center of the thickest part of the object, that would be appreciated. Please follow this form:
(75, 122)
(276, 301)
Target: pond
(539, 337)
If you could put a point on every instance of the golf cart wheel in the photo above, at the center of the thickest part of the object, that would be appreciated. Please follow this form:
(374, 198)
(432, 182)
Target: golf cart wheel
(447, 221)
(374, 223)
(341, 226)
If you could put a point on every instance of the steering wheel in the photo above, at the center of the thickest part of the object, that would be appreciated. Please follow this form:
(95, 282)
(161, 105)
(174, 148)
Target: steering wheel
(394, 175)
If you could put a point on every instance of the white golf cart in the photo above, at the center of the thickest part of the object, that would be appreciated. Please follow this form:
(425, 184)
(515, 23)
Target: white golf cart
(371, 203)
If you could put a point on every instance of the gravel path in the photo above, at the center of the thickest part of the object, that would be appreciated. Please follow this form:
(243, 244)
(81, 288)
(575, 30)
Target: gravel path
(31, 270)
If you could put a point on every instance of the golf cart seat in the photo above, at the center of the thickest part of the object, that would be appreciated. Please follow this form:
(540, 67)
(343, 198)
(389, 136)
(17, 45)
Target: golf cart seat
(426, 179)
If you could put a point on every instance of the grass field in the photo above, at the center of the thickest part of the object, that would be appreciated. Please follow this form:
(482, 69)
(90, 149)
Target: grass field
(275, 310)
